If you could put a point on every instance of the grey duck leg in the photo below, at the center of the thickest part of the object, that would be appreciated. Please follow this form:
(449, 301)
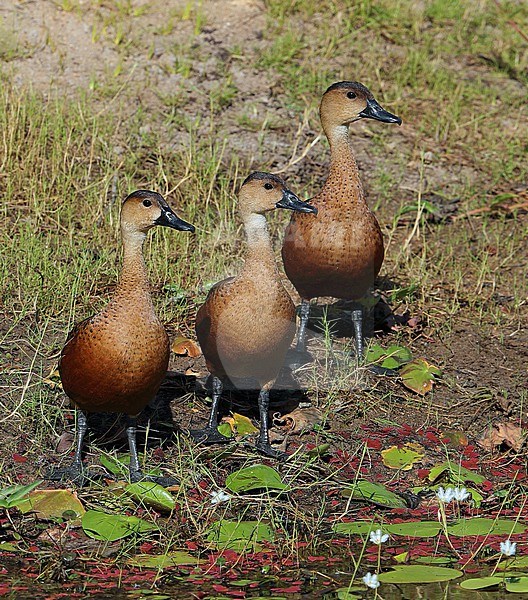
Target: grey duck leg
(210, 434)
(74, 472)
(136, 474)
(300, 356)
(263, 444)
(357, 322)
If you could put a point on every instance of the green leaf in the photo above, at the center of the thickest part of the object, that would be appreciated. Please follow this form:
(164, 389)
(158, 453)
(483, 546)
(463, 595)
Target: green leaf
(321, 450)
(375, 493)
(254, 478)
(419, 375)
(392, 357)
(455, 474)
(9, 547)
(520, 562)
(239, 535)
(162, 561)
(423, 529)
(48, 504)
(151, 494)
(225, 429)
(345, 593)
(483, 526)
(357, 527)
(434, 560)
(116, 466)
(402, 458)
(418, 574)
(517, 585)
(13, 494)
(103, 526)
(479, 583)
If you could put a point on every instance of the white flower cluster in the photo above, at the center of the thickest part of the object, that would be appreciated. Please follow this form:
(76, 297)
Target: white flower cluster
(451, 493)
(371, 580)
(219, 496)
(378, 537)
(508, 548)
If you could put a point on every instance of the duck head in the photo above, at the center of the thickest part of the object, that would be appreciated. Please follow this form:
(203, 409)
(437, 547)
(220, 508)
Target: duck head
(348, 101)
(142, 210)
(263, 192)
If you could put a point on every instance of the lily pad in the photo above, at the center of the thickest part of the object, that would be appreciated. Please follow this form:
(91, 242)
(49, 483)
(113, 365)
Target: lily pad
(402, 458)
(480, 583)
(517, 585)
(239, 535)
(419, 375)
(254, 478)
(422, 529)
(483, 526)
(418, 574)
(107, 527)
(162, 561)
(48, 504)
(455, 474)
(519, 563)
(356, 527)
(151, 494)
(375, 493)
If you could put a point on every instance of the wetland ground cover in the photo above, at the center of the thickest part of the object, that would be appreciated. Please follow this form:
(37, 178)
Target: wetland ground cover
(99, 98)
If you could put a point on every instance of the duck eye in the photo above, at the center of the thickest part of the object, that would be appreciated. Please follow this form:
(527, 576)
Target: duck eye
(351, 95)
(268, 186)
(147, 203)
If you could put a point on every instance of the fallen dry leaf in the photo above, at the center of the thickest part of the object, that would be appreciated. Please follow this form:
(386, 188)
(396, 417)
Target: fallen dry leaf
(190, 372)
(502, 433)
(185, 347)
(299, 420)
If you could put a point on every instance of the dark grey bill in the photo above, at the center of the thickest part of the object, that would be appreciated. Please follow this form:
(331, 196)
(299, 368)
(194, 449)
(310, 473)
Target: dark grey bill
(374, 111)
(289, 200)
(170, 219)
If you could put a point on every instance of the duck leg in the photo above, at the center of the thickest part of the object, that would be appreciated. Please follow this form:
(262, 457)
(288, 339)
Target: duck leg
(357, 322)
(263, 444)
(300, 356)
(210, 434)
(136, 474)
(74, 472)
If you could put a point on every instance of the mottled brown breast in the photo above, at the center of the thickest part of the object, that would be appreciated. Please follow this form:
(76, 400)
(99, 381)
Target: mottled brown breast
(245, 328)
(337, 253)
(115, 361)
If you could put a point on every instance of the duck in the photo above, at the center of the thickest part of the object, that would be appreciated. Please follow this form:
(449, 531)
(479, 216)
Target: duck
(340, 253)
(115, 361)
(247, 323)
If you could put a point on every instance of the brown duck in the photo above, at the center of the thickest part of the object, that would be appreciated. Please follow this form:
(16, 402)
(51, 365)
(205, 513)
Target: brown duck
(247, 323)
(116, 360)
(340, 253)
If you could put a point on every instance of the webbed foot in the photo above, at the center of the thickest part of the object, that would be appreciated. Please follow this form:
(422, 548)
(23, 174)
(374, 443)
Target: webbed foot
(74, 474)
(383, 371)
(136, 476)
(208, 435)
(295, 359)
(266, 449)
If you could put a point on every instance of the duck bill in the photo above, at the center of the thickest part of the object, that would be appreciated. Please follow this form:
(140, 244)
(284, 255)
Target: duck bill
(290, 201)
(170, 219)
(375, 111)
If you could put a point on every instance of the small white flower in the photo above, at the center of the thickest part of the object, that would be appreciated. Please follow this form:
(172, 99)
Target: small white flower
(508, 548)
(219, 496)
(371, 580)
(378, 537)
(445, 495)
(460, 494)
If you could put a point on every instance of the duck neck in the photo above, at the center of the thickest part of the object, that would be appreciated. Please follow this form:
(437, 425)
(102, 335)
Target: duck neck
(133, 278)
(344, 172)
(259, 253)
